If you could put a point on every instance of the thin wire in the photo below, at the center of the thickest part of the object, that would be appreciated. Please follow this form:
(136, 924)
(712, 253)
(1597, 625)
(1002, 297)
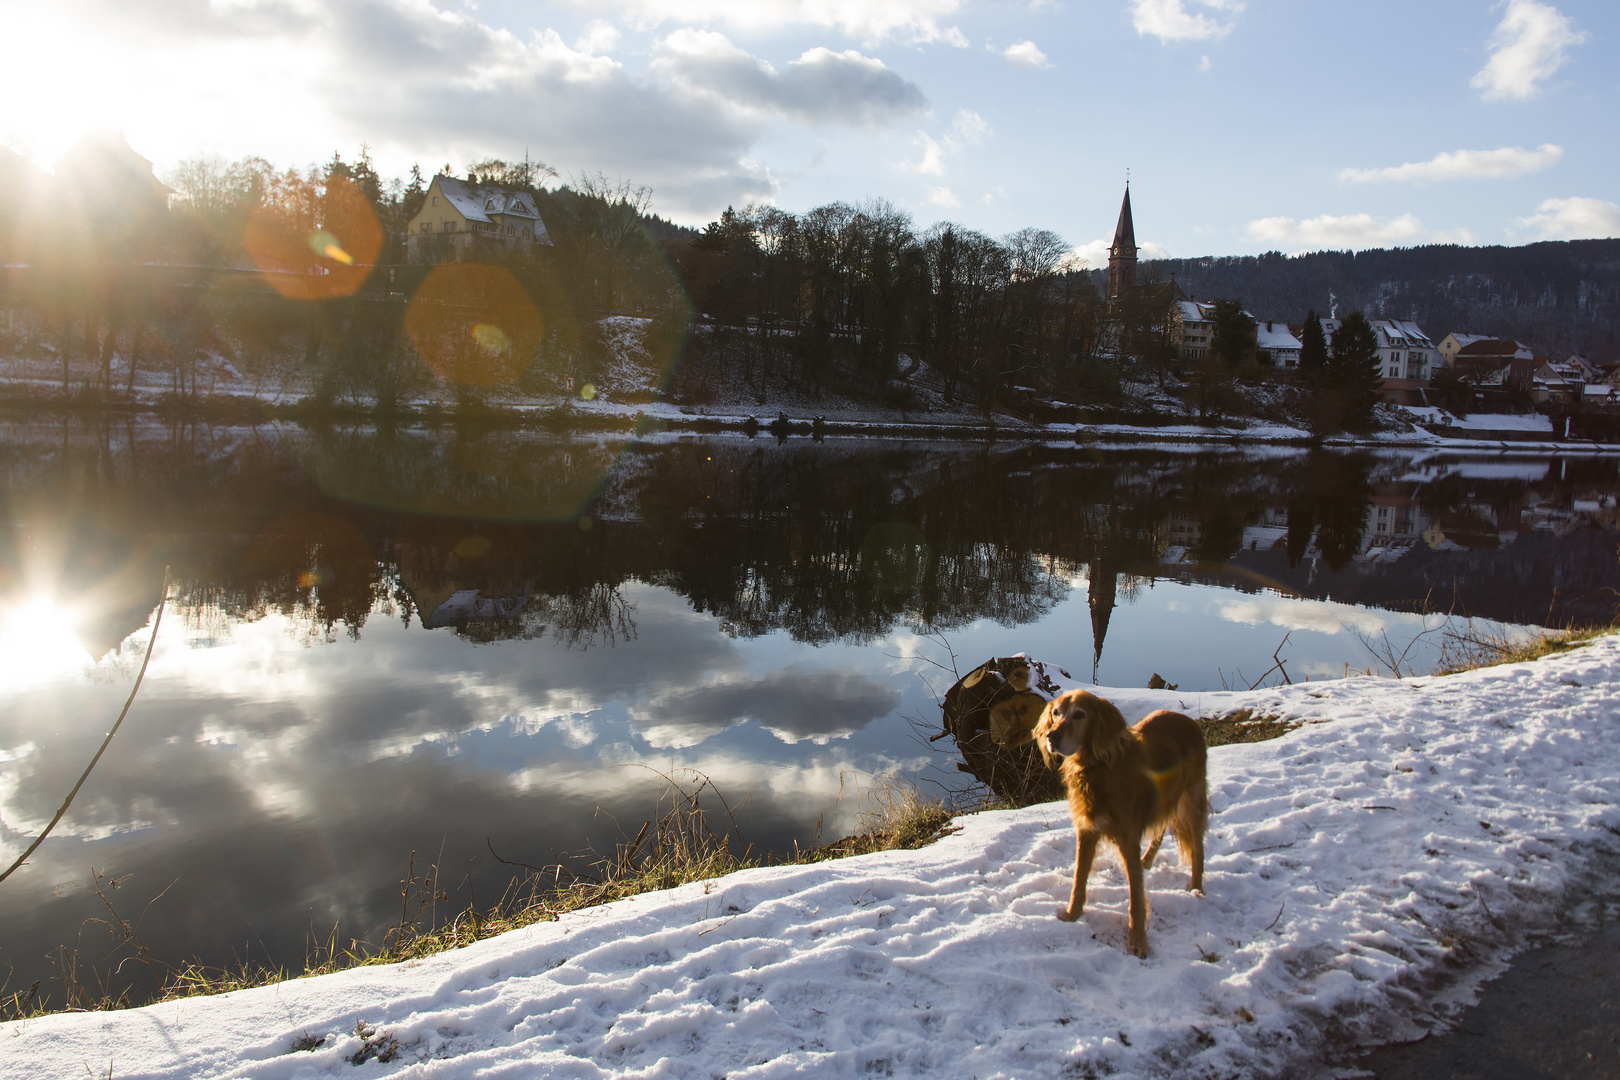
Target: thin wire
(104, 742)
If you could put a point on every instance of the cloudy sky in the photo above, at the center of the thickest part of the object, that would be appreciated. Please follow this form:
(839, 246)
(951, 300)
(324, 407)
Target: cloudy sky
(1247, 125)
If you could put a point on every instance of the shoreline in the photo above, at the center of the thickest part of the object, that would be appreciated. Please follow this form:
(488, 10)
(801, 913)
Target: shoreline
(641, 420)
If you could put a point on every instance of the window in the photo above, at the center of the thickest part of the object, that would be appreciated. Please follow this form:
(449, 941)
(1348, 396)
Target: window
(435, 200)
(449, 226)
(525, 234)
(427, 226)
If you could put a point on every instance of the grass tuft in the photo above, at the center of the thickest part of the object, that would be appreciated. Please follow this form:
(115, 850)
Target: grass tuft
(1243, 726)
(1476, 647)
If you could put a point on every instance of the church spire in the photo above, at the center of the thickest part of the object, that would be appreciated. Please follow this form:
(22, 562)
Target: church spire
(1122, 253)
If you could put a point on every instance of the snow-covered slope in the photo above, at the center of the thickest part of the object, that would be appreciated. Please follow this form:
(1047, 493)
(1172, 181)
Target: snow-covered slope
(1364, 871)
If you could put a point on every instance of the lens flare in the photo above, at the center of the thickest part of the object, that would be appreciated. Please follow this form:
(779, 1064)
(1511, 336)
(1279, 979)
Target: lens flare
(332, 259)
(473, 324)
(325, 244)
(588, 392)
(491, 339)
(39, 640)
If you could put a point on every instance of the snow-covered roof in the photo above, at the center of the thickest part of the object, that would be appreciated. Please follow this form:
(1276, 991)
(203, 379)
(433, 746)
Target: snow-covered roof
(1468, 339)
(479, 202)
(1192, 311)
(1275, 336)
(1400, 334)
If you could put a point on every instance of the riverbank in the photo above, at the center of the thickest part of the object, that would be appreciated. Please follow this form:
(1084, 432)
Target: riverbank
(1366, 872)
(646, 420)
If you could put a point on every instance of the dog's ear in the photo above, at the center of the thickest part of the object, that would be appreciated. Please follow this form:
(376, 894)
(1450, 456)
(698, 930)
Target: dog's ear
(1107, 730)
(1042, 726)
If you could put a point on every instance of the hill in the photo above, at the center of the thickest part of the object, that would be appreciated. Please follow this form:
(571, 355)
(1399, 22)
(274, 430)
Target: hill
(1558, 297)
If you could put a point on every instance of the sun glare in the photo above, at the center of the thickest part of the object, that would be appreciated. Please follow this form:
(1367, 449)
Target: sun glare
(39, 640)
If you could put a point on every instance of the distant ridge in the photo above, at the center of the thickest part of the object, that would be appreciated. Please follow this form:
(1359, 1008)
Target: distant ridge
(1556, 296)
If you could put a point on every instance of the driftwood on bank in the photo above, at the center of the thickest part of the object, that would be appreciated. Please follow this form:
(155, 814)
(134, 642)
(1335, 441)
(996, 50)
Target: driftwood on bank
(991, 712)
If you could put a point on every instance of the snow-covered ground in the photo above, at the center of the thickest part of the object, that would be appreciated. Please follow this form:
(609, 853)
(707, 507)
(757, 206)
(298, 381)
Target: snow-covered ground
(1365, 872)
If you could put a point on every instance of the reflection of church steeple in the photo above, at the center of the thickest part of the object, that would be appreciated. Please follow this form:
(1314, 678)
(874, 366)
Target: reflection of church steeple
(1100, 597)
(1122, 253)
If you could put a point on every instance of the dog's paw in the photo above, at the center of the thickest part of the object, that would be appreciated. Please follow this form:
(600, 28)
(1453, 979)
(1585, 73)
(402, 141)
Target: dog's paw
(1068, 916)
(1138, 947)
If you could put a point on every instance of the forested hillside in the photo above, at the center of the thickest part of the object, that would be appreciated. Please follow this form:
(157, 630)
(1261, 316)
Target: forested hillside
(1558, 297)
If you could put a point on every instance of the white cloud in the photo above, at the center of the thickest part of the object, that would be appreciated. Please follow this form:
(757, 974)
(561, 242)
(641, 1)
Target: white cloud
(1464, 165)
(1026, 54)
(599, 37)
(1095, 253)
(866, 20)
(1527, 47)
(420, 81)
(1320, 616)
(1334, 232)
(1204, 64)
(968, 129)
(1169, 20)
(943, 196)
(819, 86)
(1575, 219)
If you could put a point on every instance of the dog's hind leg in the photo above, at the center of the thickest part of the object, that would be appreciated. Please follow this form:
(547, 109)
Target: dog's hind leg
(1085, 850)
(1153, 849)
(1192, 819)
(1138, 942)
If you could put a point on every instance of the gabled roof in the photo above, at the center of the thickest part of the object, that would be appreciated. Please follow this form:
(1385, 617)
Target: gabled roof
(1275, 336)
(480, 202)
(1495, 348)
(1400, 334)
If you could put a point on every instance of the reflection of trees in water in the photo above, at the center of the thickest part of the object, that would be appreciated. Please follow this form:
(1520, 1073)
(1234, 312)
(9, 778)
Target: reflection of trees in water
(825, 542)
(597, 615)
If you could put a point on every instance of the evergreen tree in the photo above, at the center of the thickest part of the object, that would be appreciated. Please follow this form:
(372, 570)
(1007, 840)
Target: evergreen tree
(1233, 336)
(415, 194)
(1354, 372)
(1313, 350)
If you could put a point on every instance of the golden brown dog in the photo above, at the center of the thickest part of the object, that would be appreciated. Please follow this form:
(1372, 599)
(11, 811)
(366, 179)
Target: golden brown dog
(1123, 783)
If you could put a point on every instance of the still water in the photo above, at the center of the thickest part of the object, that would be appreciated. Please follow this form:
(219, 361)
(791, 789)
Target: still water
(462, 642)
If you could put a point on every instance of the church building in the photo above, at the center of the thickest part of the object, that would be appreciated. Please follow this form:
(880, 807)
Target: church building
(1150, 309)
(1122, 253)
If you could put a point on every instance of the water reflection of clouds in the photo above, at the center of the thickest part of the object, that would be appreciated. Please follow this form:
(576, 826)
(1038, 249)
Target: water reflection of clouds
(795, 704)
(1290, 613)
(263, 725)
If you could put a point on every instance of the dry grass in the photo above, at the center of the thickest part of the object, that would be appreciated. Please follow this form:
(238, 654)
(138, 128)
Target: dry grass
(1473, 647)
(1243, 726)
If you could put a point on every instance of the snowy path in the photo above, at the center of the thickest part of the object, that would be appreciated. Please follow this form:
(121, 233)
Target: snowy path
(1361, 869)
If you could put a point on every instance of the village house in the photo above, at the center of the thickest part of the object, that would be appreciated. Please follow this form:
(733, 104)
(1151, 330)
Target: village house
(1566, 383)
(1495, 362)
(1452, 343)
(458, 215)
(1194, 329)
(1277, 340)
(1406, 357)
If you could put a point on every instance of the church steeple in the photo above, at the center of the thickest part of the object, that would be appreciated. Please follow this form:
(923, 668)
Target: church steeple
(1122, 254)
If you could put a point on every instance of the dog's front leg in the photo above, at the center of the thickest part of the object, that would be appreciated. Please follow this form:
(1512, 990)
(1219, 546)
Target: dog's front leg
(1085, 850)
(1132, 855)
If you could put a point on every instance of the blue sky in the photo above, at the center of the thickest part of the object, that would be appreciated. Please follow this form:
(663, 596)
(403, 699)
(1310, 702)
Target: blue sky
(1247, 125)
